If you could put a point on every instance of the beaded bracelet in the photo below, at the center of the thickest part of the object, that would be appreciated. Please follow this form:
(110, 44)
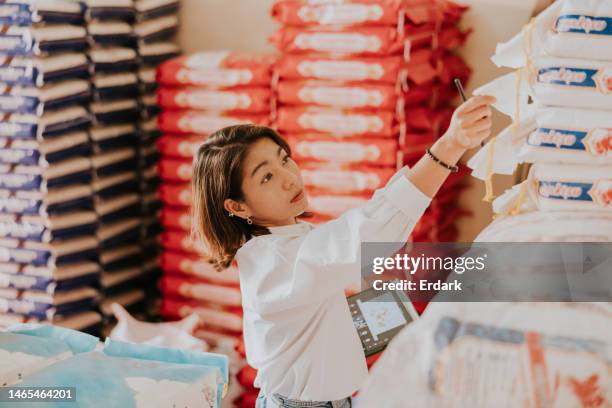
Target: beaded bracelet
(453, 169)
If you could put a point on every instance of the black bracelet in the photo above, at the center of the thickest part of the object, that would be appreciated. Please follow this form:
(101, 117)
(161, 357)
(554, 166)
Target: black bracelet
(453, 169)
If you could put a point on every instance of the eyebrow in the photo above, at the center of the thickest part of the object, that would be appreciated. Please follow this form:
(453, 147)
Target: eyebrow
(263, 163)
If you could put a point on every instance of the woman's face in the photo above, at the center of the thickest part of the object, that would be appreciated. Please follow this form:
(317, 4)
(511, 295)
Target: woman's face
(272, 185)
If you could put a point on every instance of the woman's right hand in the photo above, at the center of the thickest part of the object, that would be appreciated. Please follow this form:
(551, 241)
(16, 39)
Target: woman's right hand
(471, 123)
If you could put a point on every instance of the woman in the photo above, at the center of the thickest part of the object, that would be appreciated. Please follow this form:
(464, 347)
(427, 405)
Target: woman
(298, 332)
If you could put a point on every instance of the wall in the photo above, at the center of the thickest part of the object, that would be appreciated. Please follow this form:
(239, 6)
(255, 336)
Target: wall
(246, 25)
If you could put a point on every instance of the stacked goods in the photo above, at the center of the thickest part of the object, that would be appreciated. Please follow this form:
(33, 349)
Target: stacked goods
(562, 65)
(128, 39)
(198, 95)
(522, 353)
(363, 87)
(114, 135)
(156, 21)
(48, 246)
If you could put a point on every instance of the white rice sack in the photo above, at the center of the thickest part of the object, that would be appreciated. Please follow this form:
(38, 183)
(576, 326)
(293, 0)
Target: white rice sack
(568, 28)
(550, 226)
(482, 355)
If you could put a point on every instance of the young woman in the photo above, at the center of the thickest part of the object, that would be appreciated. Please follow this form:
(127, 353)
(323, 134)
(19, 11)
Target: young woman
(298, 332)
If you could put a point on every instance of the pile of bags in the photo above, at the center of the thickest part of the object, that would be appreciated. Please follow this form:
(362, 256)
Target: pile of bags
(560, 101)
(476, 355)
(364, 87)
(127, 40)
(132, 375)
(48, 245)
(200, 94)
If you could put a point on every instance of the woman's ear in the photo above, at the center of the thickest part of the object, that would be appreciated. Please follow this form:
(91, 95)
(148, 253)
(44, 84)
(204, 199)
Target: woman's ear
(236, 208)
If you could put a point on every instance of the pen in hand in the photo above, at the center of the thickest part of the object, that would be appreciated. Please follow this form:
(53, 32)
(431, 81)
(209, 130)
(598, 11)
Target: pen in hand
(459, 87)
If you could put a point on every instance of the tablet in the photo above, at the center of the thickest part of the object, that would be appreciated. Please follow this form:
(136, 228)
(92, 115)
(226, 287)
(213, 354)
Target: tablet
(378, 316)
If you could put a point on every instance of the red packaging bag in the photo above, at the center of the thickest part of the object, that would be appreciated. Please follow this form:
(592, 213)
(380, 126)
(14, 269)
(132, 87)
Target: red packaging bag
(244, 100)
(180, 146)
(338, 180)
(176, 218)
(431, 94)
(247, 399)
(204, 123)
(338, 122)
(246, 376)
(448, 37)
(175, 170)
(218, 69)
(453, 66)
(215, 316)
(326, 148)
(198, 267)
(189, 288)
(342, 68)
(182, 241)
(338, 95)
(176, 194)
(346, 13)
(426, 119)
(333, 206)
(366, 41)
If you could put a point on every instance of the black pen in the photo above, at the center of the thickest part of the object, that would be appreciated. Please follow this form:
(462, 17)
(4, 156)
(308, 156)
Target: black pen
(459, 87)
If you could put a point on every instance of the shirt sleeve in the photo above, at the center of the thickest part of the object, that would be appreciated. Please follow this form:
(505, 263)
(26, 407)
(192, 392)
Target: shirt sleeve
(328, 259)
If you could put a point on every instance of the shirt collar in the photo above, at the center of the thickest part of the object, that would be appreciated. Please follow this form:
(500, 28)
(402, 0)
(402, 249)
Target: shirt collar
(298, 228)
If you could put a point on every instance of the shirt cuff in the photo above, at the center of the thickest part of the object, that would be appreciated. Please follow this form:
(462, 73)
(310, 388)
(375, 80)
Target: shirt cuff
(405, 196)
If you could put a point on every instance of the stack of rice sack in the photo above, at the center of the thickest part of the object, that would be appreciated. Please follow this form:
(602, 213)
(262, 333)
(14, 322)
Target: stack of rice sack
(48, 246)
(156, 21)
(339, 96)
(200, 94)
(114, 135)
(432, 29)
(468, 354)
(562, 63)
(363, 87)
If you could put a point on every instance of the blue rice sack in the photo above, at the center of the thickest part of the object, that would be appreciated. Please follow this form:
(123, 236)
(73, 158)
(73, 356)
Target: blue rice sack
(38, 178)
(38, 71)
(48, 280)
(109, 10)
(23, 99)
(33, 41)
(48, 228)
(28, 12)
(56, 201)
(115, 112)
(149, 9)
(118, 233)
(158, 29)
(114, 137)
(44, 152)
(125, 256)
(116, 185)
(115, 86)
(51, 255)
(110, 33)
(114, 162)
(113, 59)
(118, 208)
(47, 306)
(50, 124)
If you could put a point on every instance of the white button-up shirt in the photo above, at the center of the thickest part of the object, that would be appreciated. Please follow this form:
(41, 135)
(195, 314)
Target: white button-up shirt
(298, 330)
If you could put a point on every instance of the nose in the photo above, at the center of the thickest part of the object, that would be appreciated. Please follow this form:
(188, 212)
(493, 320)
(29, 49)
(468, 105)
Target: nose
(289, 180)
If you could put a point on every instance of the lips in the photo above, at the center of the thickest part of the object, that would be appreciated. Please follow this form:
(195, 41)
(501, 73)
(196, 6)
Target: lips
(298, 196)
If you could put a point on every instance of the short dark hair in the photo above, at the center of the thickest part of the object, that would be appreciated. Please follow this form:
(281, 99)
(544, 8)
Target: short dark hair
(217, 176)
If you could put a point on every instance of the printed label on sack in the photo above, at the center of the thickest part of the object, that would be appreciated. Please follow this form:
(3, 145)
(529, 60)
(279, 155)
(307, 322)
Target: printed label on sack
(341, 124)
(342, 152)
(15, 43)
(600, 80)
(341, 70)
(213, 100)
(341, 96)
(597, 142)
(581, 24)
(599, 192)
(340, 13)
(341, 180)
(338, 42)
(215, 77)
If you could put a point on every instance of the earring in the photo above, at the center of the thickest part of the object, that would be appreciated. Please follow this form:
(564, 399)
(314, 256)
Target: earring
(231, 214)
(249, 220)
